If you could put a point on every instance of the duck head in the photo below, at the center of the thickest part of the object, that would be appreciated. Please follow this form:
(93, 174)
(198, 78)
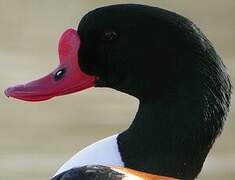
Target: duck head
(165, 61)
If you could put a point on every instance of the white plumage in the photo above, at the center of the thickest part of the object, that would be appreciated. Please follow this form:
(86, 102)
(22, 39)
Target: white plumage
(103, 152)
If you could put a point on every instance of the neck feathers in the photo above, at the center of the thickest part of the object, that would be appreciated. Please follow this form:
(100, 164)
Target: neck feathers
(171, 137)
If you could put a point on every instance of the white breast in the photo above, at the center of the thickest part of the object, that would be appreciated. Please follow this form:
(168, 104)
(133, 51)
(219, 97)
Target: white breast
(103, 152)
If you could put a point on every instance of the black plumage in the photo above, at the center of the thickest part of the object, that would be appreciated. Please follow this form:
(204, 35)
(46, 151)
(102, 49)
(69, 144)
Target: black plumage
(92, 172)
(165, 61)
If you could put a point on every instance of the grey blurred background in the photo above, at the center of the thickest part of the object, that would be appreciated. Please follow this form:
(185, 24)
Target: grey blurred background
(37, 138)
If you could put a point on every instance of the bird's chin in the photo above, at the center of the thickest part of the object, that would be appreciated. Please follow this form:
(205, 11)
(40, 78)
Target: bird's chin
(100, 82)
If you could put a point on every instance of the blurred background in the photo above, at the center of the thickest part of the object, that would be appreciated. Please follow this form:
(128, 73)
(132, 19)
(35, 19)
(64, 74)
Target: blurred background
(37, 138)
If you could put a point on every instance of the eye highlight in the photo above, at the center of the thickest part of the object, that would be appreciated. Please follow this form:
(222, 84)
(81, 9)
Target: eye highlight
(59, 74)
(109, 36)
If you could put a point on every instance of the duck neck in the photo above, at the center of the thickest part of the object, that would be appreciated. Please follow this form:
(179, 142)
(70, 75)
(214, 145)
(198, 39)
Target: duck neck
(167, 137)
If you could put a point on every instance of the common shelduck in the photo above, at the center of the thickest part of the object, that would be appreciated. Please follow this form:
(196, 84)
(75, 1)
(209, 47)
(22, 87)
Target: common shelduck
(162, 59)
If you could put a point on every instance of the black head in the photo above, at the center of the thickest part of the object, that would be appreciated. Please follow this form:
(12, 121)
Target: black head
(138, 49)
(159, 56)
(132, 48)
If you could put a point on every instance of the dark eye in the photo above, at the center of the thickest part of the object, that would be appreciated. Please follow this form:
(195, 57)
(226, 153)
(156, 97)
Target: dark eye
(59, 74)
(109, 36)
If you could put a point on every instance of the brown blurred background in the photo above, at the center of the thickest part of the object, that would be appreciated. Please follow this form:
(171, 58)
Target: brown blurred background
(37, 138)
